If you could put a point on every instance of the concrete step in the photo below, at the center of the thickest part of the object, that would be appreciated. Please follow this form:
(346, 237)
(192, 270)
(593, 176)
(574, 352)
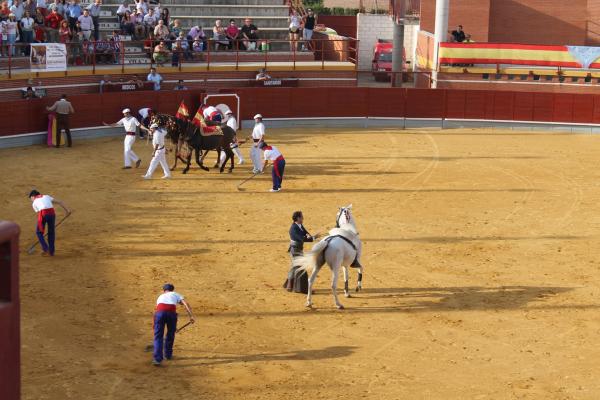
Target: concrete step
(205, 9)
(208, 21)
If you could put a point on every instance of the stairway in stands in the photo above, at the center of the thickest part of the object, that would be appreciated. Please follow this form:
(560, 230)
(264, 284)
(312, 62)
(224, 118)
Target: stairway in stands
(270, 16)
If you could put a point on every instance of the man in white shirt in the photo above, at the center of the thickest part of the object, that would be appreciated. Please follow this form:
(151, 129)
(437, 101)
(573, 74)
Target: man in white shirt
(235, 146)
(44, 207)
(87, 24)
(159, 153)
(95, 14)
(18, 10)
(258, 135)
(166, 316)
(271, 153)
(130, 124)
(155, 78)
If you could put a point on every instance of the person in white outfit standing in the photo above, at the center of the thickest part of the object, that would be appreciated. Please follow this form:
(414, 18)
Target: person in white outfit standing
(159, 154)
(258, 136)
(130, 123)
(235, 146)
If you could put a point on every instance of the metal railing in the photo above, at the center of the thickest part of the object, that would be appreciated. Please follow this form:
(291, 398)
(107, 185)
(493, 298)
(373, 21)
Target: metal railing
(14, 58)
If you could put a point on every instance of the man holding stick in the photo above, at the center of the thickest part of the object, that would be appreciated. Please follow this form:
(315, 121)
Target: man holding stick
(166, 315)
(44, 207)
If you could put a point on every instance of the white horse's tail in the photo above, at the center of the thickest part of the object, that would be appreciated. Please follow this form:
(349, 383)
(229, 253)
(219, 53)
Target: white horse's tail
(311, 260)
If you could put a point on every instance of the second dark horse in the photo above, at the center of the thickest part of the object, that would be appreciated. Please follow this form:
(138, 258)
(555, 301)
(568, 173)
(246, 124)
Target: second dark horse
(185, 134)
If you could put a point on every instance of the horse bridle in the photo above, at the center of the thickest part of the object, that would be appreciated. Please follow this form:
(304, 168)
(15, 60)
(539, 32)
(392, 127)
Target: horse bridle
(342, 212)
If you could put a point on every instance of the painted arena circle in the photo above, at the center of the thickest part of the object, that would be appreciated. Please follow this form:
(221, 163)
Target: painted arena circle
(479, 253)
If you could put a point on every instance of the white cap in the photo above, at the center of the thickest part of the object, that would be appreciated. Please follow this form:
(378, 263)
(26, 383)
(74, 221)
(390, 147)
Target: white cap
(228, 112)
(257, 116)
(153, 126)
(127, 110)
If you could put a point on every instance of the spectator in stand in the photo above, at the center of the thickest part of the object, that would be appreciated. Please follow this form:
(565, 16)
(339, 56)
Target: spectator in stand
(177, 52)
(73, 13)
(249, 35)
(262, 75)
(87, 24)
(11, 28)
(87, 50)
(4, 10)
(309, 22)
(76, 52)
(161, 53)
(219, 35)
(94, 10)
(180, 85)
(58, 6)
(39, 18)
(149, 22)
(161, 32)
(105, 51)
(149, 45)
(129, 27)
(295, 23)
(123, 8)
(27, 31)
(137, 81)
(17, 9)
(117, 45)
(64, 32)
(39, 29)
(232, 33)
(41, 5)
(165, 15)
(197, 46)
(185, 46)
(197, 33)
(52, 25)
(175, 29)
(155, 78)
(142, 6)
(459, 36)
(29, 5)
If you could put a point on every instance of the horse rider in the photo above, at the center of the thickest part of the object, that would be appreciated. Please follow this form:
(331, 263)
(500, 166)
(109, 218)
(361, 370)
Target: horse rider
(145, 114)
(258, 136)
(166, 316)
(271, 153)
(298, 236)
(158, 153)
(130, 123)
(212, 113)
(43, 205)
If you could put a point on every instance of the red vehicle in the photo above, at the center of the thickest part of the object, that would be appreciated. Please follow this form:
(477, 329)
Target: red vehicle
(382, 60)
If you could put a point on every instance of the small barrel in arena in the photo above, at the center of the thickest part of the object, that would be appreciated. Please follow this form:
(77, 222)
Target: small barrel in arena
(10, 343)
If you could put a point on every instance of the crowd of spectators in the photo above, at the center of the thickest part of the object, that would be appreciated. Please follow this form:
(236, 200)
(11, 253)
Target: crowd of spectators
(164, 40)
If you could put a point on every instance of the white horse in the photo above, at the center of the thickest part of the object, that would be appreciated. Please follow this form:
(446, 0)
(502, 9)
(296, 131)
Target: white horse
(341, 248)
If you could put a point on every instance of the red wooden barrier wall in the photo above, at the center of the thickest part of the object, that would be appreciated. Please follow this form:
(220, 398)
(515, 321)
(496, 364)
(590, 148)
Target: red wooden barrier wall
(23, 116)
(10, 343)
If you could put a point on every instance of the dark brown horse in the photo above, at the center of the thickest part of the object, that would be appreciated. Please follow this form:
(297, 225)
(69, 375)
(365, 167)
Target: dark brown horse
(188, 139)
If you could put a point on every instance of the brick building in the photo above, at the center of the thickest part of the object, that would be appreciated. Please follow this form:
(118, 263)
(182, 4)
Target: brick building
(555, 22)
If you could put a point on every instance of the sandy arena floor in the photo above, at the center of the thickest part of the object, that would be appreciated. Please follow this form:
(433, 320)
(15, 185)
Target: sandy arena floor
(482, 277)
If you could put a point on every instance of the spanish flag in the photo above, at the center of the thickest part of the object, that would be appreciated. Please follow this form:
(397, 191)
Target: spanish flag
(182, 111)
(199, 119)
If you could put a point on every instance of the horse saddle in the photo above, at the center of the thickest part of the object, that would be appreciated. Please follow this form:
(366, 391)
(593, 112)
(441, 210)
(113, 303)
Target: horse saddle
(211, 131)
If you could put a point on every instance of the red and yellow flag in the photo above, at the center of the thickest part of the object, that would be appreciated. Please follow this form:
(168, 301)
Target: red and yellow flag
(182, 111)
(199, 119)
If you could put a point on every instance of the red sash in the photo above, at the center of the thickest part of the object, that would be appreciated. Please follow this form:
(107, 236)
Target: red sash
(166, 307)
(41, 215)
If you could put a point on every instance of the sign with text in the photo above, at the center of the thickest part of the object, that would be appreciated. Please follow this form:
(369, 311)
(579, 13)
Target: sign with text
(48, 57)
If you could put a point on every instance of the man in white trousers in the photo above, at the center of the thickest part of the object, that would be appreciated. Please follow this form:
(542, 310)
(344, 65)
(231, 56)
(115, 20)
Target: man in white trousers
(258, 136)
(130, 123)
(235, 146)
(159, 154)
